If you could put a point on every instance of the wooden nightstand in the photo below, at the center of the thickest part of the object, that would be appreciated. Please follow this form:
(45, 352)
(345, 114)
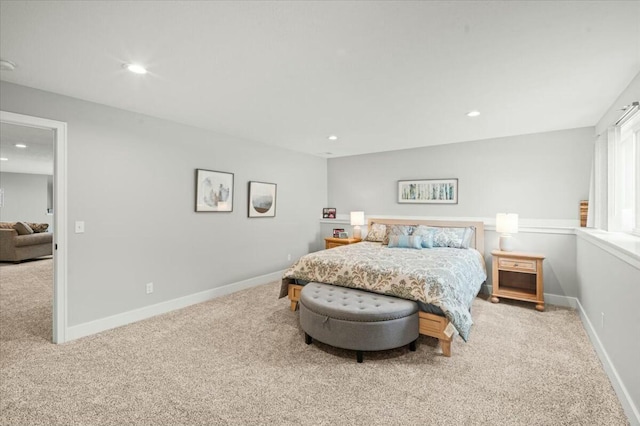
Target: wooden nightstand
(330, 242)
(518, 276)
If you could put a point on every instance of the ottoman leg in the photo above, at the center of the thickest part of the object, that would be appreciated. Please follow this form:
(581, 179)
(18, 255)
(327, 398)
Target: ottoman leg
(359, 356)
(308, 339)
(412, 346)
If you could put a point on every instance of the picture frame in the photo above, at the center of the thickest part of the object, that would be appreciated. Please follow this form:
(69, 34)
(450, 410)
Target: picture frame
(329, 213)
(214, 191)
(337, 231)
(262, 199)
(343, 235)
(428, 191)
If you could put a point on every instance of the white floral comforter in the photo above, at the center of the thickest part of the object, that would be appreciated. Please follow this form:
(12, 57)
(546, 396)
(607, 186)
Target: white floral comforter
(445, 277)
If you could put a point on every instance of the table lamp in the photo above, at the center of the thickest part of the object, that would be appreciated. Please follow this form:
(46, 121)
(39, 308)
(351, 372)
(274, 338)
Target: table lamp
(506, 224)
(357, 220)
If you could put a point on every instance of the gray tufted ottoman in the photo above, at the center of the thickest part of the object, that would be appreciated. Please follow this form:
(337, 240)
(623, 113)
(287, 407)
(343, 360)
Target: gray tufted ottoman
(357, 320)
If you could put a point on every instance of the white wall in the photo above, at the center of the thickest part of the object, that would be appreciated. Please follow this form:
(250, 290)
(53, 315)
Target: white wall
(25, 198)
(131, 179)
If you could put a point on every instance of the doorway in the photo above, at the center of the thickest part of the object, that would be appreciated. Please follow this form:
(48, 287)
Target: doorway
(59, 210)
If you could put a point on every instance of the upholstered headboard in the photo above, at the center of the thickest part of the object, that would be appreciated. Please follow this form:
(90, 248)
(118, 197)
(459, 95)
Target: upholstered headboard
(477, 241)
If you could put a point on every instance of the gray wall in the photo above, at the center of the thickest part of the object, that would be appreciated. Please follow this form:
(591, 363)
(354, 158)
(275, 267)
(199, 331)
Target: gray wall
(131, 179)
(25, 198)
(608, 285)
(611, 286)
(538, 176)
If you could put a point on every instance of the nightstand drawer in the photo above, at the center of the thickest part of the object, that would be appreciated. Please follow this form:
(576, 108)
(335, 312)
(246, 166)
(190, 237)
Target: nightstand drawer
(517, 265)
(337, 242)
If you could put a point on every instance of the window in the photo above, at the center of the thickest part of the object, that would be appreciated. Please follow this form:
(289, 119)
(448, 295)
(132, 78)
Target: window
(625, 198)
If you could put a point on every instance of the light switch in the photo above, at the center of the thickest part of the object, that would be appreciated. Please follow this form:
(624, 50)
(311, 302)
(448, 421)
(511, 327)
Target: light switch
(79, 227)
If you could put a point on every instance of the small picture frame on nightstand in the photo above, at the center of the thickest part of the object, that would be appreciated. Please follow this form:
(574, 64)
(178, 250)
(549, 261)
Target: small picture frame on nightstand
(337, 231)
(343, 235)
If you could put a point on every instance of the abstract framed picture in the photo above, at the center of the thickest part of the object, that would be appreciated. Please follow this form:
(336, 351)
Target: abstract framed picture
(428, 191)
(214, 191)
(262, 199)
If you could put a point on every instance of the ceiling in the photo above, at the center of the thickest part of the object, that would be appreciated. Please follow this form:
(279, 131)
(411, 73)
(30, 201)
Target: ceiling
(36, 158)
(381, 75)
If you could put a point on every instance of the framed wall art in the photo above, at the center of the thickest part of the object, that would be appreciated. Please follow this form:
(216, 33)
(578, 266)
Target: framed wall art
(428, 191)
(329, 213)
(262, 199)
(214, 191)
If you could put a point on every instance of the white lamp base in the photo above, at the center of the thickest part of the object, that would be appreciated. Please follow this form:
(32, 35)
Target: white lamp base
(506, 242)
(357, 233)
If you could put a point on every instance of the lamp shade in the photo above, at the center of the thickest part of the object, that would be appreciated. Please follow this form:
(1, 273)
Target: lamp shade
(357, 218)
(507, 223)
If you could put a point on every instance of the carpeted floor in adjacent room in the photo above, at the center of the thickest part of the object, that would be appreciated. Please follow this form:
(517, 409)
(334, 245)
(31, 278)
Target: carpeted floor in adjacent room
(241, 359)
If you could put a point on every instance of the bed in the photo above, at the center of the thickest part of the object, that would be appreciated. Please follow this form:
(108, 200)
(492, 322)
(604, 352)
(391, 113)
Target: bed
(444, 281)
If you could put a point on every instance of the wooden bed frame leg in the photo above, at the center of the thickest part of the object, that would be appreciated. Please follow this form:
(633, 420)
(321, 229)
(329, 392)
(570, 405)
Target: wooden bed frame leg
(446, 347)
(294, 295)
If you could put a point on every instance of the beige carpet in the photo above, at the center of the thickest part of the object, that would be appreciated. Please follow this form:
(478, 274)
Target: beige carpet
(241, 359)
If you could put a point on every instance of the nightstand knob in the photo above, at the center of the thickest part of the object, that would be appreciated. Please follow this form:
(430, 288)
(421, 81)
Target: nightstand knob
(515, 264)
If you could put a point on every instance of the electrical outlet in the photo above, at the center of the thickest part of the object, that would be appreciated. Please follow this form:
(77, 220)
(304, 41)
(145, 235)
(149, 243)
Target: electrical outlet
(149, 288)
(289, 257)
(79, 227)
(602, 320)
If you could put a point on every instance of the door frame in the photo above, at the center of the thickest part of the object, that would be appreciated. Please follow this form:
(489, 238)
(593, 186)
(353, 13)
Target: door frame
(59, 214)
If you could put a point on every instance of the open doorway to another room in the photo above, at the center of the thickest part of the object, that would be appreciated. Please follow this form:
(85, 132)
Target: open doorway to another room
(32, 213)
(26, 232)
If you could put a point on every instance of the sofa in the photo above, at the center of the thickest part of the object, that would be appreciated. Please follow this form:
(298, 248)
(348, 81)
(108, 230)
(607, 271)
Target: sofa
(18, 244)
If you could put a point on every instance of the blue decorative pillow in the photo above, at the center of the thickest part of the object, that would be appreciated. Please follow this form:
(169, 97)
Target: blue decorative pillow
(405, 241)
(426, 233)
(397, 230)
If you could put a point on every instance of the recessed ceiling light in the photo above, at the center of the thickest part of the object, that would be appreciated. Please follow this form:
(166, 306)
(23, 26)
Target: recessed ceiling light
(20, 145)
(473, 113)
(135, 68)
(333, 138)
(4, 159)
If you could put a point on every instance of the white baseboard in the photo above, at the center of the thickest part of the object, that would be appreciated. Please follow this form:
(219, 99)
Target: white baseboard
(118, 320)
(623, 395)
(557, 300)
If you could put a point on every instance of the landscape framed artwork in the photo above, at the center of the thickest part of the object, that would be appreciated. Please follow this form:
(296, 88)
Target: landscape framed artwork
(214, 191)
(428, 191)
(262, 199)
